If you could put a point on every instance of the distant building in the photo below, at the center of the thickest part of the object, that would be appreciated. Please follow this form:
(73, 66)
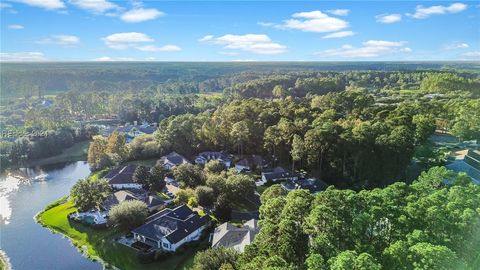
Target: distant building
(131, 131)
(122, 177)
(250, 162)
(172, 160)
(229, 236)
(278, 174)
(171, 228)
(205, 157)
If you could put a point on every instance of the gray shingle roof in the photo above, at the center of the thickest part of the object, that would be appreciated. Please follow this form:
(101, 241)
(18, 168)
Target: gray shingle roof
(173, 224)
(121, 175)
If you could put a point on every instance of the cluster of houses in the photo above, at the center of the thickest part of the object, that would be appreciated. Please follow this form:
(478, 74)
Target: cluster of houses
(168, 229)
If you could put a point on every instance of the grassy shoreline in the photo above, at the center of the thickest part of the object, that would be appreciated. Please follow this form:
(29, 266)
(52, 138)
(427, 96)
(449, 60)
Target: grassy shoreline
(100, 245)
(4, 262)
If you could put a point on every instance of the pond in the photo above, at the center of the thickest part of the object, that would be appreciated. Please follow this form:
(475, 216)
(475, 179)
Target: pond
(24, 193)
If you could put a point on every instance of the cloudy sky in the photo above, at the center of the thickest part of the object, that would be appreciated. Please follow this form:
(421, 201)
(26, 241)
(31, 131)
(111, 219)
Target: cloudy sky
(105, 30)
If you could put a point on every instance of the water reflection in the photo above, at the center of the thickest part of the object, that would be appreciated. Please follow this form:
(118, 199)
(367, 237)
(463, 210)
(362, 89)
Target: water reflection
(25, 192)
(11, 181)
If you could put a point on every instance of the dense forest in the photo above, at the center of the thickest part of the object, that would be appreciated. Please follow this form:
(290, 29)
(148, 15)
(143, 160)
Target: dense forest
(430, 224)
(17, 79)
(334, 124)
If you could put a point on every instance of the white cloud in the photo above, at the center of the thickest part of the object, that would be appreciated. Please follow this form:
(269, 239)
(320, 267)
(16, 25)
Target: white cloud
(254, 43)
(206, 38)
(94, 6)
(112, 59)
(388, 18)
(62, 40)
(369, 49)
(135, 40)
(15, 26)
(46, 4)
(339, 12)
(165, 48)
(244, 60)
(150, 58)
(141, 14)
(123, 41)
(5, 5)
(22, 56)
(456, 45)
(314, 21)
(266, 23)
(340, 34)
(422, 12)
(475, 55)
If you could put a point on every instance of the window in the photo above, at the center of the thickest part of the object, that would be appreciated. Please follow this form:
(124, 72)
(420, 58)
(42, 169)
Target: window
(166, 245)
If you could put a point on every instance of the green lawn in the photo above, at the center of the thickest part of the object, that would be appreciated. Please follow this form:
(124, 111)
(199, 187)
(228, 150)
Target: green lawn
(145, 162)
(76, 152)
(244, 205)
(100, 244)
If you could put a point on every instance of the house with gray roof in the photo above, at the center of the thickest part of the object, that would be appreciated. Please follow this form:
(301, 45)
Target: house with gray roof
(153, 203)
(229, 236)
(172, 160)
(278, 174)
(204, 157)
(250, 162)
(122, 177)
(171, 228)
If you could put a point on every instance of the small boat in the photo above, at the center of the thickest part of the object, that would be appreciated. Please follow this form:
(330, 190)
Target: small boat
(40, 177)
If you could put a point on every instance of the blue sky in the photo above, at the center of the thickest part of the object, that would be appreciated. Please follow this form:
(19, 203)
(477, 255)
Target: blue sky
(103, 30)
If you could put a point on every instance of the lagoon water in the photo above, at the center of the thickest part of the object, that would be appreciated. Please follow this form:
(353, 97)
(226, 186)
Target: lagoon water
(27, 244)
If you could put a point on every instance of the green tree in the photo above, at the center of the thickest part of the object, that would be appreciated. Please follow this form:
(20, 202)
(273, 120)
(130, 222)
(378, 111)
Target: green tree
(88, 193)
(189, 175)
(205, 195)
(184, 195)
(214, 258)
(143, 176)
(298, 150)
(240, 133)
(214, 166)
(128, 214)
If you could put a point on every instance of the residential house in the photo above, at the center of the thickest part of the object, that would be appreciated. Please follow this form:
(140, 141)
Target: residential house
(122, 177)
(229, 236)
(250, 162)
(172, 160)
(153, 203)
(278, 174)
(205, 157)
(312, 184)
(131, 131)
(171, 228)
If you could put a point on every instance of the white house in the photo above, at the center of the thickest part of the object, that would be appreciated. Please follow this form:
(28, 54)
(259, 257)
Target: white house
(205, 157)
(171, 228)
(122, 177)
